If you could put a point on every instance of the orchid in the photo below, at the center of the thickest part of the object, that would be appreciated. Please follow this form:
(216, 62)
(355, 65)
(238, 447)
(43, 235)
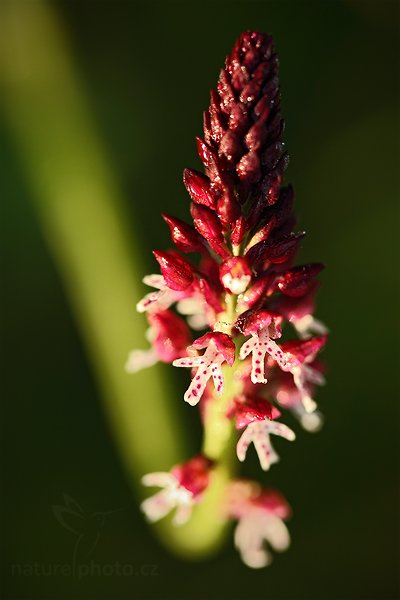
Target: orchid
(242, 292)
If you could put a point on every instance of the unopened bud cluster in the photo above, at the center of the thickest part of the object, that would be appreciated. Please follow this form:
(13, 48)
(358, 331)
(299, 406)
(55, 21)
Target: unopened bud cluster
(238, 292)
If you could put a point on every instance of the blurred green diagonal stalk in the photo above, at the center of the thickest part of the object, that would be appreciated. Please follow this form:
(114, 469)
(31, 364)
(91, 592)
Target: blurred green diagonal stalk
(77, 202)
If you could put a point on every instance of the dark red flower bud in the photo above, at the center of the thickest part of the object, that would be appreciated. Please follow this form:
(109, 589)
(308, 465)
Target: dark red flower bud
(260, 289)
(209, 267)
(184, 236)
(235, 274)
(209, 227)
(298, 281)
(207, 156)
(230, 148)
(272, 154)
(178, 273)
(256, 136)
(228, 98)
(248, 168)
(283, 208)
(263, 108)
(228, 208)
(260, 236)
(217, 124)
(211, 296)
(276, 251)
(198, 186)
(280, 250)
(207, 127)
(223, 342)
(238, 119)
(270, 187)
(251, 91)
(238, 231)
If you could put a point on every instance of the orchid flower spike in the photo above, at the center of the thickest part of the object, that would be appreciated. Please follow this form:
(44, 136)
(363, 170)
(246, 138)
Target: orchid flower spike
(242, 291)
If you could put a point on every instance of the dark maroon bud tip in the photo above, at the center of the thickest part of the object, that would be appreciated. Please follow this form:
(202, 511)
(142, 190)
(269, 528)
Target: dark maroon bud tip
(177, 272)
(296, 282)
(249, 168)
(209, 227)
(276, 251)
(184, 236)
(305, 349)
(198, 186)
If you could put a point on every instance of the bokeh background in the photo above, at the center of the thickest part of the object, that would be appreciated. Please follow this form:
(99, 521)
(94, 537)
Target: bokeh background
(144, 71)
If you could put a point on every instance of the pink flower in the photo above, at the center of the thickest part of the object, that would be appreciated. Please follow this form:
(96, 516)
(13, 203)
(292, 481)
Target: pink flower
(182, 488)
(169, 336)
(257, 415)
(219, 349)
(157, 301)
(289, 397)
(299, 312)
(260, 515)
(299, 354)
(263, 328)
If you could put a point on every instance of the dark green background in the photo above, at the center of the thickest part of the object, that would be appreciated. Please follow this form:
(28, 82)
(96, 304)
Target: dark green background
(147, 70)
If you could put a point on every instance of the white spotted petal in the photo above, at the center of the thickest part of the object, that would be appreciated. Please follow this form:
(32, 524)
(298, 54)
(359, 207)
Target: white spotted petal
(258, 433)
(208, 365)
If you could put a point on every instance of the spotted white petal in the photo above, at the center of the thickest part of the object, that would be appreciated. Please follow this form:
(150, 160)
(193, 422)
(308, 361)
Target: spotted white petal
(258, 433)
(208, 365)
(247, 347)
(189, 361)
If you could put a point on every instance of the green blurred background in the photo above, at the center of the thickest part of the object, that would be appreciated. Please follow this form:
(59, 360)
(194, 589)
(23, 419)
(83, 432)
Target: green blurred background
(145, 70)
